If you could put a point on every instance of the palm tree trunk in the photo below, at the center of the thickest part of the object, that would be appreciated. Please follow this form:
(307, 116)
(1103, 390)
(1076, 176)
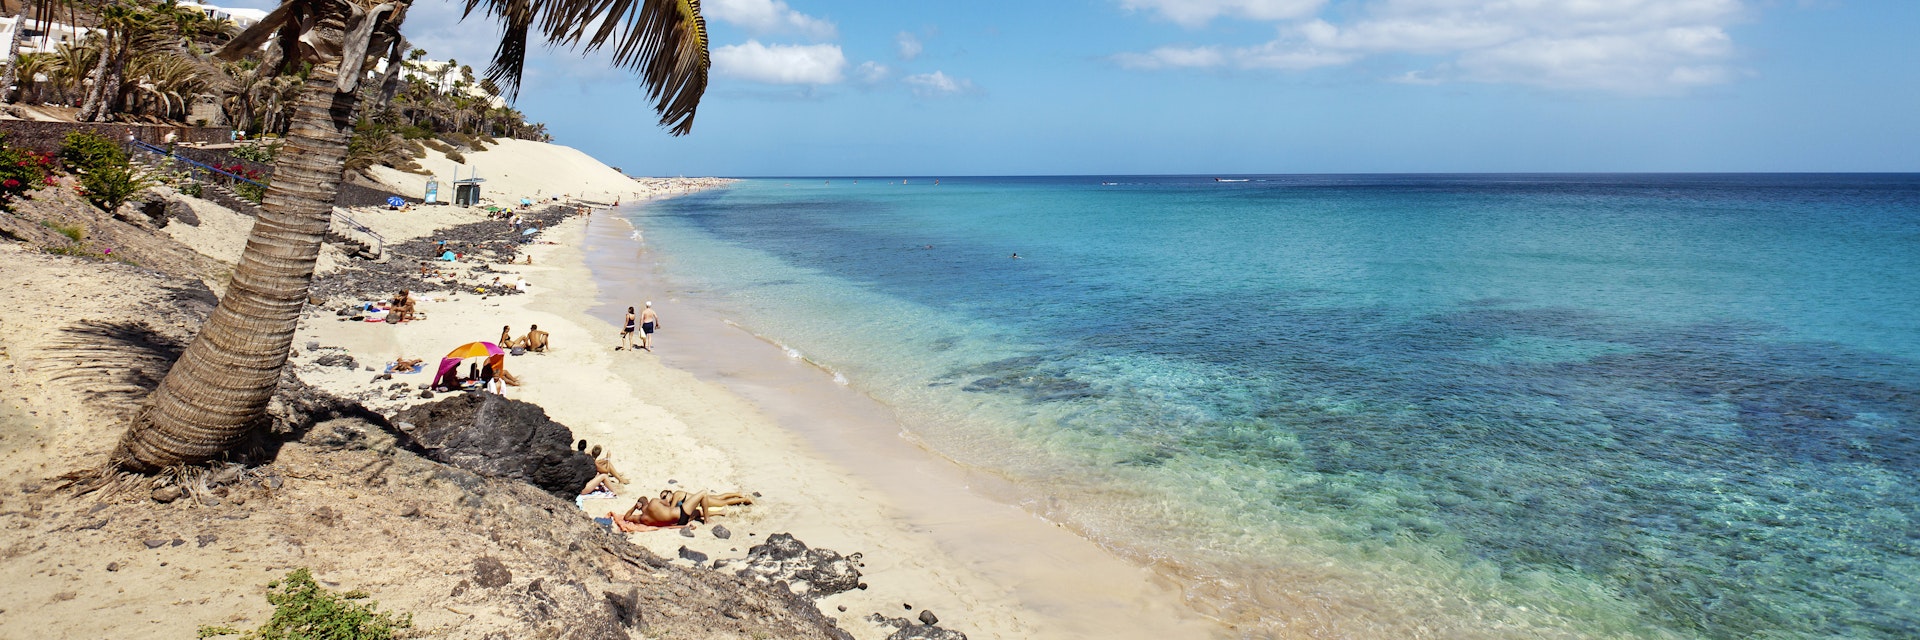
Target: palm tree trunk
(12, 74)
(99, 75)
(218, 391)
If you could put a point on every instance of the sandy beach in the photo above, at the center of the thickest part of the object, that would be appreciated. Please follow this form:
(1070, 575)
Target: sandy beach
(713, 408)
(785, 431)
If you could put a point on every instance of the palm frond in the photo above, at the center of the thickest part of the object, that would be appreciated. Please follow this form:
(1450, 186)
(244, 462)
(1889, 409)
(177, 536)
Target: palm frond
(664, 40)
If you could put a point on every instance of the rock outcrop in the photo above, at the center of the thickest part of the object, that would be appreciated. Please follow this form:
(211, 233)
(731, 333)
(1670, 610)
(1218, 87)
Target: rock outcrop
(811, 572)
(498, 438)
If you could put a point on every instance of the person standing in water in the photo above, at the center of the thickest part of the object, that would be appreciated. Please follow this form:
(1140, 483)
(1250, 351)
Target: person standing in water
(649, 321)
(626, 334)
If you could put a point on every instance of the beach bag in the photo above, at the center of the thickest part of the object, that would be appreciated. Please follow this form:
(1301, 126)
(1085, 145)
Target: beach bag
(519, 351)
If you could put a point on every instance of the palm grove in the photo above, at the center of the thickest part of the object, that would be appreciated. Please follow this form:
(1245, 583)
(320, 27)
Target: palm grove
(308, 72)
(158, 62)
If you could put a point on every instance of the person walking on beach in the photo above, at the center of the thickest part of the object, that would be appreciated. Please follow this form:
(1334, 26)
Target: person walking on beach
(649, 321)
(626, 334)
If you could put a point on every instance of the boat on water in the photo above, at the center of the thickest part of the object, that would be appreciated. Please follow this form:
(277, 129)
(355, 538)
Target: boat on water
(1229, 179)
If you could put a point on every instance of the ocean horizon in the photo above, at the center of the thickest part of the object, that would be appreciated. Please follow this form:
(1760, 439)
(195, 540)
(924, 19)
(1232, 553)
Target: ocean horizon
(1656, 405)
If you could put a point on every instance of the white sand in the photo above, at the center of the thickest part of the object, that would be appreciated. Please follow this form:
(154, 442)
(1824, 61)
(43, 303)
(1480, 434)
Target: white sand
(515, 169)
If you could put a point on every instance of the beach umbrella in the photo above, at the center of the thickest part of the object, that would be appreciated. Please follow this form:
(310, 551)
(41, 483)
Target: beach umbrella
(396, 201)
(475, 350)
(462, 352)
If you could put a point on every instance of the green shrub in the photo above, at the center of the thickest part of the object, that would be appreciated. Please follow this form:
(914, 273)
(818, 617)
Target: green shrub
(302, 610)
(85, 152)
(256, 193)
(74, 232)
(112, 185)
(193, 189)
(261, 151)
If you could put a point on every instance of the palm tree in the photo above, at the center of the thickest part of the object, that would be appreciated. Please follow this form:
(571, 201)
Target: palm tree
(12, 74)
(218, 391)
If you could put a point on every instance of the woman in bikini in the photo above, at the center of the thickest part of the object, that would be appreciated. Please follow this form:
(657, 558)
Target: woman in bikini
(673, 510)
(626, 335)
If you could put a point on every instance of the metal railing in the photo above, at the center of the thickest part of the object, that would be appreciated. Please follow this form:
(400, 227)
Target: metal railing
(379, 243)
(195, 166)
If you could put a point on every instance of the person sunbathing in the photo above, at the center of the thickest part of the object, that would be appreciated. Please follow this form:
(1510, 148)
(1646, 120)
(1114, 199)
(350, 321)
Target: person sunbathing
(535, 340)
(403, 305)
(506, 337)
(602, 482)
(674, 510)
(604, 466)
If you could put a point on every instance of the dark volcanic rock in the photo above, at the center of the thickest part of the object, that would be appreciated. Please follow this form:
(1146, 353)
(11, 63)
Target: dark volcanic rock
(690, 554)
(501, 438)
(721, 532)
(927, 633)
(336, 360)
(927, 618)
(816, 572)
(489, 572)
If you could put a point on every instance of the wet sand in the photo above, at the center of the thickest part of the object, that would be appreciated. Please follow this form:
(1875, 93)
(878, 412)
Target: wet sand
(1058, 584)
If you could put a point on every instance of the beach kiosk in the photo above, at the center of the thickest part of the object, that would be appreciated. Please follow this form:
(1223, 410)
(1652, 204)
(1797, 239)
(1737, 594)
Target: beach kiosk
(466, 193)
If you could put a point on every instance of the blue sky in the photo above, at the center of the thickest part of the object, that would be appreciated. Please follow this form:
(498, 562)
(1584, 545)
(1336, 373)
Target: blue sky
(821, 87)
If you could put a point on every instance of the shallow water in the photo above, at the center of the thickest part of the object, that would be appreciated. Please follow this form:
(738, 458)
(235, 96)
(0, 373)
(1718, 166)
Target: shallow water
(1408, 405)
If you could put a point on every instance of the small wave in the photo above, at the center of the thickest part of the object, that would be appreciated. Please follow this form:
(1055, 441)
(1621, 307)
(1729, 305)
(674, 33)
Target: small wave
(792, 352)
(839, 379)
(635, 236)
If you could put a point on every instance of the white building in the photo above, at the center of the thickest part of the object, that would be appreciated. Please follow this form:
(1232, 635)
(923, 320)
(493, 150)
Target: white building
(41, 37)
(46, 37)
(241, 17)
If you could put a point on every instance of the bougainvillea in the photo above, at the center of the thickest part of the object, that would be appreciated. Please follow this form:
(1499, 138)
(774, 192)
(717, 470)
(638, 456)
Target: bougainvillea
(22, 171)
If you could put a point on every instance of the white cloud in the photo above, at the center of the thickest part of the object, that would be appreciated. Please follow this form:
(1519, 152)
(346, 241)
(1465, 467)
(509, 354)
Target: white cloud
(1173, 58)
(1195, 13)
(910, 46)
(781, 63)
(1631, 46)
(769, 16)
(871, 72)
(937, 84)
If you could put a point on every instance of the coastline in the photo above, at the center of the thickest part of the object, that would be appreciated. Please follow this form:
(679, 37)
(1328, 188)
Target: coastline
(928, 536)
(922, 513)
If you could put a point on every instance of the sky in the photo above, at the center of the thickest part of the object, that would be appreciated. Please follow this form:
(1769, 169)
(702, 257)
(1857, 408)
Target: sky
(1125, 87)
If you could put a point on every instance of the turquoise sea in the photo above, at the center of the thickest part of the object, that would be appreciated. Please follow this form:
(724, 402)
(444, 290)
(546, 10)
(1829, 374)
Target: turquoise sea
(1378, 406)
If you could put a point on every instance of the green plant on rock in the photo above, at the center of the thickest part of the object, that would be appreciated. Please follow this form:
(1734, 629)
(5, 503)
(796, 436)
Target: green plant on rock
(112, 185)
(262, 152)
(302, 610)
(255, 192)
(85, 152)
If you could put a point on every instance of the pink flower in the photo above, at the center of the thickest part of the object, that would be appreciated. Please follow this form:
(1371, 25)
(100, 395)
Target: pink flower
(11, 183)
(23, 163)
(52, 181)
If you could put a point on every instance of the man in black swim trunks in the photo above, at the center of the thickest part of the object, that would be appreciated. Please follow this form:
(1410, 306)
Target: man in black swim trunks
(649, 321)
